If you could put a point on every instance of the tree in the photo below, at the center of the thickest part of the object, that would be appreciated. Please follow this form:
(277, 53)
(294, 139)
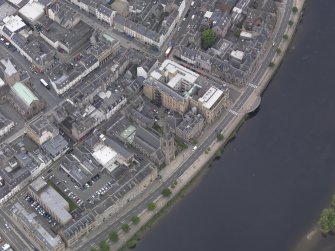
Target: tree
(272, 64)
(194, 142)
(132, 243)
(278, 50)
(125, 228)
(207, 38)
(295, 9)
(219, 136)
(290, 23)
(104, 246)
(285, 36)
(114, 237)
(332, 202)
(135, 219)
(237, 33)
(327, 221)
(151, 206)
(166, 192)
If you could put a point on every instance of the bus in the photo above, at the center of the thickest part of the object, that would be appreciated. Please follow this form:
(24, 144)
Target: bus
(168, 51)
(43, 82)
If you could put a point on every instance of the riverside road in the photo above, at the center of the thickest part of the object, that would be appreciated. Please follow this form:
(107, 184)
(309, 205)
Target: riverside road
(225, 121)
(268, 190)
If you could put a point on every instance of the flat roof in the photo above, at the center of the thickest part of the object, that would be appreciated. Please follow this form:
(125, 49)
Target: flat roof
(38, 184)
(109, 38)
(16, 2)
(156, 75)
(56, 203)
(6, 10)
(208, 14)
(178, 71)
(246, 34)
(237, 54)
(13, 23)
(104, 154)
(24, 93)
(128, 133)
(32, 10)
(210, 97)
(50, 240)
(118, 148)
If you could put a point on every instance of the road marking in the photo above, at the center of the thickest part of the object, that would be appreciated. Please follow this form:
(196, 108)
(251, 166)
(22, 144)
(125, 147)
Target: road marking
(253, 86)
(233, 112)
(93, 245)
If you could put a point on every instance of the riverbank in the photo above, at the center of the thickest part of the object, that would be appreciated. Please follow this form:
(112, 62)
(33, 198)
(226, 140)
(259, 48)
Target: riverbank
(313, 240)
(147, 216)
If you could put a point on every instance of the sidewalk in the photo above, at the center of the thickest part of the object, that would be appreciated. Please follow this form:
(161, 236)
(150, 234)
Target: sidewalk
(204, 158)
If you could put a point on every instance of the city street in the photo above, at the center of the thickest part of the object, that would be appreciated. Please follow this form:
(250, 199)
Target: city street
(12, 234)
(15, 236)
(219, 126)
(49, 96)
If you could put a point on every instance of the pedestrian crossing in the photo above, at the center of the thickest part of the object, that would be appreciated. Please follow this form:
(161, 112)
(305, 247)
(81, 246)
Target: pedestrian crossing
(253, 86)
(233, 112)
(93, 245)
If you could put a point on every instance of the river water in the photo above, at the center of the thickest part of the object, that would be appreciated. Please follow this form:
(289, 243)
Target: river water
(273, 180)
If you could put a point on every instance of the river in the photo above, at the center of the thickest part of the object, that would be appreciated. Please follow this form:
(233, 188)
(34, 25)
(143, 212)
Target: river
(273, 180)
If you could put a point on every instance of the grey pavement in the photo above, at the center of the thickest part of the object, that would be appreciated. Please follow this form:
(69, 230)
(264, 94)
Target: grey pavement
(13, 235)
(48, 95)
(220, 125)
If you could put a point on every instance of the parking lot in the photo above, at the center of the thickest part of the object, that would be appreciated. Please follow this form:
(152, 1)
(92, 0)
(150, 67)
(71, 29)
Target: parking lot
(44, 215)
(88, 195)
(101, 186)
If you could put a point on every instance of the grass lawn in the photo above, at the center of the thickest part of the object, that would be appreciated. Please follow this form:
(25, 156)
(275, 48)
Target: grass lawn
(72, 205)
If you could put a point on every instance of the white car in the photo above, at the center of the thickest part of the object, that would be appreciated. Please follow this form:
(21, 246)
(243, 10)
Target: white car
(194, 148)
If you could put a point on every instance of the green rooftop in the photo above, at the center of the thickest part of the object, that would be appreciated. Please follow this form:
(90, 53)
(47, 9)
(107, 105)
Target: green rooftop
(129, 133)
(24, 93)
(108, 37)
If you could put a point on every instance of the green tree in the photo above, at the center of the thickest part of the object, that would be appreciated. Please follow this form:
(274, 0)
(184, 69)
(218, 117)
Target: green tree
(332, 202)
(132, 243)
(94, 249)
(166, 192)
(151, 206)
(207, 38)
(194, 142)
(278, 50)
(125, 228)
(219, 136)
(237, 32)
(295, 9)
(114, 237)
(135, 219)
(285, 36)
(174, 184)
(272, 64)
(290, 23)
(327, 221)
(104, 246)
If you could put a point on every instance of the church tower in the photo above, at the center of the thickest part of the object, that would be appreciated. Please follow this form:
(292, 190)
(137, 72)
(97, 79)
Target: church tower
(167, 140)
